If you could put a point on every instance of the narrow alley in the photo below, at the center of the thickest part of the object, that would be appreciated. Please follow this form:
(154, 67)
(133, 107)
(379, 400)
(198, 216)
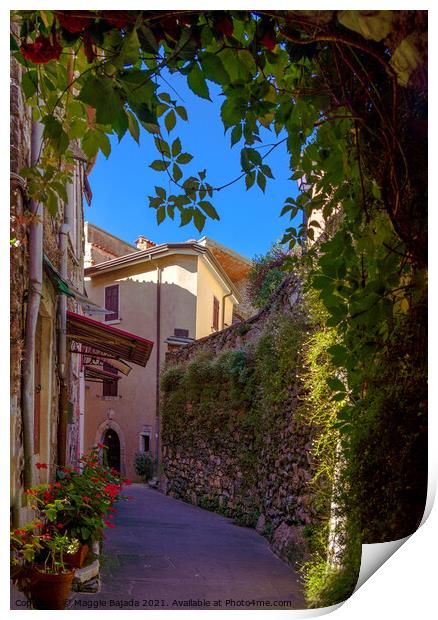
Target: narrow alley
(164, 553)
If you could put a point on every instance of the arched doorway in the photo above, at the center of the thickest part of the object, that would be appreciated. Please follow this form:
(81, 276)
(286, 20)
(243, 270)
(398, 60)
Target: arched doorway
(112, 442)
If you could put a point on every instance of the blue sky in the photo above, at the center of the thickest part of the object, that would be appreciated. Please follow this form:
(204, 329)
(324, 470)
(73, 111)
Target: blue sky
(250, 221)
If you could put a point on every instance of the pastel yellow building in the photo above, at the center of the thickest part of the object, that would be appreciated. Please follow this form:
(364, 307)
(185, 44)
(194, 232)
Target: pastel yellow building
(170, 294)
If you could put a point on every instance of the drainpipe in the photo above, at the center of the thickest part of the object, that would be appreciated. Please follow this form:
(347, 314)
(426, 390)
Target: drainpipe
(62, 333)
(223, 307)
(157, 378)
(33, 305)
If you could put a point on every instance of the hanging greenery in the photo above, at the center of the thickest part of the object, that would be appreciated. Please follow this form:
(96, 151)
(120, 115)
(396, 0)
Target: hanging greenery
(345, 93)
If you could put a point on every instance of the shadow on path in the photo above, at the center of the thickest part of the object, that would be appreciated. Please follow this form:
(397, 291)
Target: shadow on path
(166, 554)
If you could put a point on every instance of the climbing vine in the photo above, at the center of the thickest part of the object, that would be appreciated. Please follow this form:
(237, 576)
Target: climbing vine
(344, 92)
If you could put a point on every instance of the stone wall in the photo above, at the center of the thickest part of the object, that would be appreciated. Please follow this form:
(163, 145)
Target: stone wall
(255, 471)
(20, 156)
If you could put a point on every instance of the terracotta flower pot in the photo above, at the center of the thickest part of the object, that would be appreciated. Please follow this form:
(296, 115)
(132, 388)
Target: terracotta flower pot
(50, 591)
(75, 560)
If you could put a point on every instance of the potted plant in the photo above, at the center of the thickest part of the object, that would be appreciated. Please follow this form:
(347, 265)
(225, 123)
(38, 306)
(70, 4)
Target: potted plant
(71, 514)
(38, 564)
(90, 494)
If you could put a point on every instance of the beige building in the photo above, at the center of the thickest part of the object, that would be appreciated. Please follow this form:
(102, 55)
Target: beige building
(169, 294)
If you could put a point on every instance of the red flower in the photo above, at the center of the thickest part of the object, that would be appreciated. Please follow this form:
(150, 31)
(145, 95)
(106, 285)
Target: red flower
(108, 524)
(48, 496)
(41, 51)
(118, 19)
(86, 499)
(19, 532)
(60, 526)
(224, 26)
(112, 490)
(46, 537)
(72, 22)
(268, 40)
(41, 465)
(101, 446)
(127, 482)
(57, 485)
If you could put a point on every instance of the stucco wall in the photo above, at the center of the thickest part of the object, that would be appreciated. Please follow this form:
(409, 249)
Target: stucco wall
(135, 405)
(209, 286)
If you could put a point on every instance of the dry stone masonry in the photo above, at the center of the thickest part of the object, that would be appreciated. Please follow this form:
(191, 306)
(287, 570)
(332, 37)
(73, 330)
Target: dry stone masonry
(234, 440)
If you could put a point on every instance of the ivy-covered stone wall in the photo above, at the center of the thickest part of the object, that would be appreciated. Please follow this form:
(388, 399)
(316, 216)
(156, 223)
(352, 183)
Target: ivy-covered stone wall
(233, 438)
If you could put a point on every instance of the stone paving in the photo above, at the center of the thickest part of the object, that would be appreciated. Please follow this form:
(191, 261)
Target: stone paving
(167, 554)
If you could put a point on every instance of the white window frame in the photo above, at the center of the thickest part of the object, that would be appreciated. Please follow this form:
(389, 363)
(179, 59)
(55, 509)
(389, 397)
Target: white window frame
(145, 433)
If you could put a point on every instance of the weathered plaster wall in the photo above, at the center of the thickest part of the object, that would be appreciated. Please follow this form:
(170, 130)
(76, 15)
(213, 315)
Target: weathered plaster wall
(213, 454)
(135, 406)
(208, 286)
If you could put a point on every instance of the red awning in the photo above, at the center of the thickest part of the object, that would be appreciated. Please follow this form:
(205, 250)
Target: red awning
(110, 340)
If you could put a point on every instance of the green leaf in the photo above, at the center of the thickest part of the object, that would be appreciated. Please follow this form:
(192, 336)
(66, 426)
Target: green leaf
(85, 533)
(261, 181)
(236, 134)
(159, 165)
(199, 220)
(130, 48)
(60, 190)
(208, 208)
(186, 216)
(13, 45)
(197, 83)
(176, 147)
(52, 206)
(231, 112)
(249, 179)
(78, 128)
(335, 384)
(104, 143)
(29, 82)
(176, 174)
(146, 116)
(134, 128)
(267, 171)
(54, 132)
(182, 113)
(184, 158)
(100, 94)
(339, 396)
(162, 147)
(170, 120)
(254, 156)
(164, 97)
(214, 69)
(161, 214)
(161, 192)
(90, 143)
(245, 161)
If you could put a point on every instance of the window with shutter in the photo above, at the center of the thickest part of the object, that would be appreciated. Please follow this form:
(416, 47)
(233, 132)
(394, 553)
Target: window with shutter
(215, 314)
(112, 302)
(109, 385)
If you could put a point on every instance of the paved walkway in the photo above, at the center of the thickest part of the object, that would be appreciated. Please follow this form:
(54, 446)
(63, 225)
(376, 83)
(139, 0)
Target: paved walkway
(166, 554)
